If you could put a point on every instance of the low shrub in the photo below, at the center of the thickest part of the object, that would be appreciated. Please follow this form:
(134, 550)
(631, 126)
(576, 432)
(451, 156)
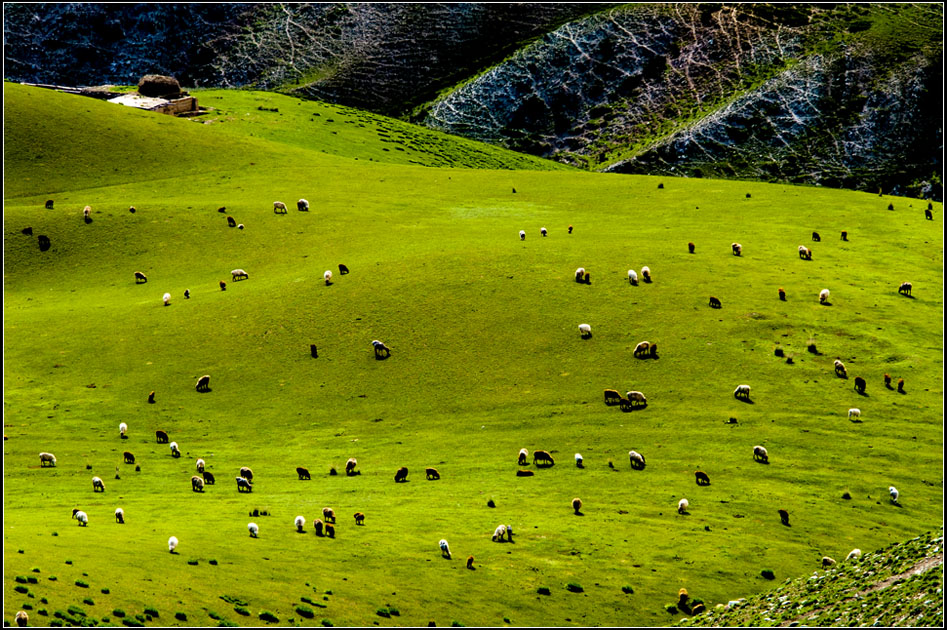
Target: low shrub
(88, 601)
(671, 608)
(543, 590)
(68, 561)
(82, 584)
(241, 610)
(213, 615)
(75, 611)
(328, 592)
(305, 611)
(43, 600)
(35, 570)
(31, 579)
(140, 618)
(212, 563)
(383, 612)
(106, 591)
(55, 623)
(266, 615)
(574, 587)
(307, 600)
(394, 611)
(193, 563)
(43, 612)
(150, 610)
(20, 579)
(180, 616)
(52, 578)
(118, 612)
(627, 590)
(21, 589)
(227, 624)
(326, 623)
(27, 607)
(132, 623)
(456, 624)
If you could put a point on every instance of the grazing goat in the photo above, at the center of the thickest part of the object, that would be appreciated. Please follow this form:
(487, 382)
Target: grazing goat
(577, 505)
(522, 235)
(279, 207)
(197, 483)
(328, 515)
(81, 517)
(782, 294)
(840, 370)
(401, 475)
(359, 518)
(47, 458)
(300, 523)
(816, 237)
(702, 478)
(129, 458)
(120, 516)
(350, 467)
(98, 485)
(633, 277)
(445, 548)
(254, 529)
(544, 457)
(805, 253)
(381, 350)
(239, 273)
(203, 383)
(246, 473)
(860, 385)
(140, 277)
(243, 485)
(161, 437)
(900, 385)
(714, 302)
(646, 274)
(431, 474)
(302, 205)
(690, 248)
(166, 298)
(636, 399)
(585, 331)
(175, 452)
(905, 288)
(854, 413)
(612, 395)
(742, 391)
(642, 349)
(327, 276)
(636, 460)
(303, 473)
(736, 248)
(682, 506)
(208, 477)
(521, 460)
(783, 517)
(760, 454)
(929, 215)
(570, 229)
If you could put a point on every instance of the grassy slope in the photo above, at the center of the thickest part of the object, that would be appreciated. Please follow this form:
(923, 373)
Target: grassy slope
(486, 360)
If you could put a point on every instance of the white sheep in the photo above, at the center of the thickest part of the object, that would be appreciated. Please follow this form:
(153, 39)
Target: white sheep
(522, 235)
(86, 212)
(119, 516)
(175, 452)
(578, 460)
(254, 529)
(633, 277)
(98, 485)
(854, 413)
(200, 465)
(854, 554)
(302, 205)
(542, 231)
(166, 298)
(300, 523)
(580, 274)
(742, 391)
(445, 548)
(760, 454)
(240, 226)
(840, 369)
(823, 296)
(80, 516)
(172, 544)
(47, 458)
(636, 459)
(636, 398)
(737, 249)
(327, 276)
(499, 533)
(894, 494)
(585, 331)
(646, 274)
(122, 430)
(682, 506)
(239, 273)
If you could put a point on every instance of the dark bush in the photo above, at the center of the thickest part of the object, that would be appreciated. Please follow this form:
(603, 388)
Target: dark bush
(266, 615)
(151, 611)
(627, 590)
(768, 574)
(118, 612)
(305, 611)
(20, 579)
(88, 601)
(383, 612)
(21, 589)
(82, 584)
(180, 616)
(326, 623)
(106, 591)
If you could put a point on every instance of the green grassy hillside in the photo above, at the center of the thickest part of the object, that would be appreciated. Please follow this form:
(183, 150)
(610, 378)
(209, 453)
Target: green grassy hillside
(486, 359)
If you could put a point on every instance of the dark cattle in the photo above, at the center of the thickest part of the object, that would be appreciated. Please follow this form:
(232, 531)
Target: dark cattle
(44, 243)
(784, 517)
(203, 383)
(470, 561)
(431, 474)
(343, 269)
(208, 478)
(401, 475)
(702, 478)
(129, 458)
(690, 248)
(222, 209)
(890, 206)
(570, 229)
(714, 302)
(49, 204)
(816, 237)
(187, 294)
(747, 195)
(860, 385)
(28, 231)
(161, 437)
(587, 279)
(303, 473)
(661, 186)
(905, 288)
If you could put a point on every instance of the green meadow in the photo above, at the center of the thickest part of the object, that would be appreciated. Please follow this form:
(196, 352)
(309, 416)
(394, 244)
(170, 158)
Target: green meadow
(486, 359)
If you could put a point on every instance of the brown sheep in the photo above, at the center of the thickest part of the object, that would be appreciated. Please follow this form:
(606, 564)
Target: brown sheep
(860, 385)
(577, 505)
(401, 475)
(359, 518)
(690, 248)
(642, 349)
(470, 561)
(900, 385)
(714, 302)
(887, 380)
(702, 478)
(223, 285)
(330, 530)
(328, 515)
(782, 294)
(317, 526)
(737, 249)
(431, 474)
(246, 473)
(612, 396)
(129, 458)
(197, 484)
(161, 437)
(303, 473)
(840, 370)
(624, 404)
(544, 457)
(784, 517)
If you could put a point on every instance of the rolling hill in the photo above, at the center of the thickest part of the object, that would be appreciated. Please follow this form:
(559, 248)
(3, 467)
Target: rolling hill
(486, 359)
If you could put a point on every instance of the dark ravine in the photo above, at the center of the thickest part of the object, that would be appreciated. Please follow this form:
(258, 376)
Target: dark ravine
(836, 95)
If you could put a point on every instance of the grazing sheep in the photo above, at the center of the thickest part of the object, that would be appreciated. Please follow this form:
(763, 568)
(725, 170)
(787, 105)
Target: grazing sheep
(854, 413)
(254, 529)
(46, 458)
(542, 231)
(122, 430)
(302, 205)
(140, 277)
(208, 477)
(381, 350)
(844, 235)
(239, 273)
(522, 235)
(203, 383)
(827, 562)
(313, 351)
(172, 544)
(300, 523)
(612, 395)
(702, 478)
(231, 222)
(359, 518)
(742, 391)
(431, 474)
(893, 492)
(161, 437)
(129, 458)
(636, 460)
(317, 526)
(578, 460)
(521, 460)
(887, 380)
(580, 274)
(279, 207)
(328, 515)
(690, 248)
(87, 212)
(929, 215)
(243, 485)
(330, 530)
(577, 505)
(350, 467)
(200, 465)
(824, 296)
(840, 370)
(901, 385)
(636, 399)
(120, 516)
(524, 473)
(714, 302)
(401, 475)
(643, 348)
(682, 506)
(80, 516)
(240, 226)
(22, 619)
(805, 253)
(585, 331)
(782, 294)
(166, 298)
(175, 452)
(625, 405)
(499, 533)
(783, 517)
(246, 473)
(98, 485)
(544, 457)
(587, 280)
(570, 229)
(343, 269)
(470, 561)
(905, 288)
(760, 454)
(633, 277)
(445, 548)
(303, 473)
(327, 276)
(197, 483)
(27, 230)
(854, 554)
(860, 385)
(736, 248)
(223, 285)
(49, 204)
(816, 237)
(646, 274)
